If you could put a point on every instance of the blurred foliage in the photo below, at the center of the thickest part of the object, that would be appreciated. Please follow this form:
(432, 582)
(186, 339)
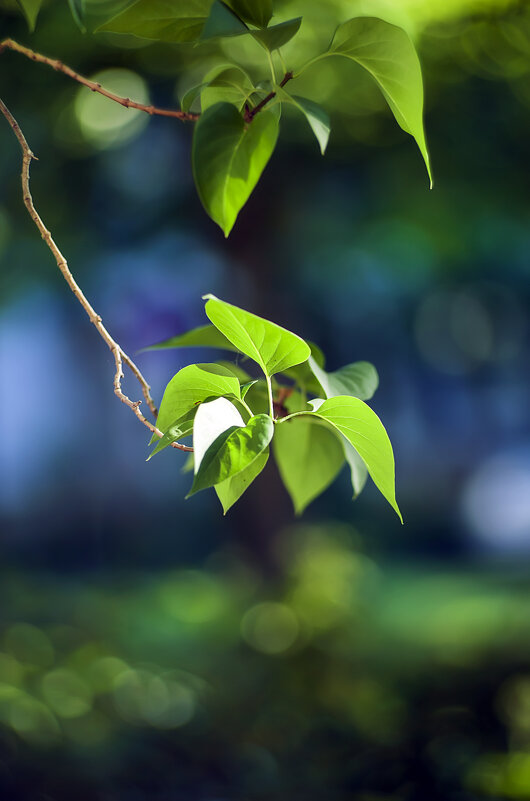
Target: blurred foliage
(264, 688)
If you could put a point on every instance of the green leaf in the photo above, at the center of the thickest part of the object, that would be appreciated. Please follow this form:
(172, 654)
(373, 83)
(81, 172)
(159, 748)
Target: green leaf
(191, 96)
(213, 418)
(226, 83)
(233, 451)
(181, 428)
(228, 158)
(277, 35)
(30, 9)
(256, 12)
(232, 489)
(189, 387)
(365, 432)
(77, 9)
(316, 116)
(309, 458)
(205, 336)
(303, 374)
(245, 388)
(359, 379)
(163, 20)
(274, 348)
(222, 22)
(389, 55)
(358, 470)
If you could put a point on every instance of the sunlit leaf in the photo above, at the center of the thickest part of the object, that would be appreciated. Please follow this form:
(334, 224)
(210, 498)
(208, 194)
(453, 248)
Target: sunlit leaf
(222, 22)
(164, 20)
(365, 432)
(256, 12)
(193, 385)
(205, 336)
(358, 470)
(359, 379)
(271, 346)
(181, 428)
(389, 55)
(228, 158)
(277, 35)
(303, 374)
(226, 83)
(211, 420)
(309, 458)
(233, 451)
(30, 9)
(316, 116)
(232, 489)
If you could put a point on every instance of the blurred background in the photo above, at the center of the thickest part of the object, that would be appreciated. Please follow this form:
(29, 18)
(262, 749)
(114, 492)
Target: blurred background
(151, 648)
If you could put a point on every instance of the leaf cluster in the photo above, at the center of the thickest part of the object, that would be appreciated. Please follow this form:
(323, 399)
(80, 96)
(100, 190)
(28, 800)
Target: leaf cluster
(315, 421)
(239, 114)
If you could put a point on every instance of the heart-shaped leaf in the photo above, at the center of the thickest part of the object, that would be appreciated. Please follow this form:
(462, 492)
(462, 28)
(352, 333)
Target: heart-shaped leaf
(228, 158)
(274, 348)
(189, 387)
(388, 54)
(221, 22)
(277, 35)
(211, 420)
(232, 489)
(181, 428)
(359, 379)
(163, 20)
(233, 451)
(309, 459)
(365, 432)
(226, 83)
(316, 116)
(30, 9)
(256, 12)
(205, 336)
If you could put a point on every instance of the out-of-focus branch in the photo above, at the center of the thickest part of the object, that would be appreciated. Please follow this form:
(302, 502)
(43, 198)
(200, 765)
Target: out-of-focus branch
(120, 357)
(10, 44)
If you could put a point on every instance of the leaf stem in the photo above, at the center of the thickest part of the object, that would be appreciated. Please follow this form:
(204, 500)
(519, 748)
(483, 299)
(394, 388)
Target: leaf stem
(269, 393)
(310, 63)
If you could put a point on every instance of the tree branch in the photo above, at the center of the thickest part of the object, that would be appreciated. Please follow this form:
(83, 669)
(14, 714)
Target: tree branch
(250, 113)
(120, 357)
(9, 44)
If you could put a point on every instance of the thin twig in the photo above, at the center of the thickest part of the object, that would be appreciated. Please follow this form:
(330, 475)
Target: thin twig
(250, 113)
(93, 85)
(120, 357)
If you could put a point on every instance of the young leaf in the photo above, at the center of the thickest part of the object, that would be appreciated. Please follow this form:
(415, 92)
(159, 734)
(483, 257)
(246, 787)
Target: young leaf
(317, 118)
(277, 35)
(256, 12)
(189, 387)
(309, 458)
(30, 9)
(211, 420)
(245, 388)
(222, 22)
(163, 20)
(231, 490)
(388, 54)
(182, 427)
(233, 451)
(189, 97)
(228, 158)
(365, 432)
(226, 83)
(205, 336)
(274, 348)
(359, 379)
